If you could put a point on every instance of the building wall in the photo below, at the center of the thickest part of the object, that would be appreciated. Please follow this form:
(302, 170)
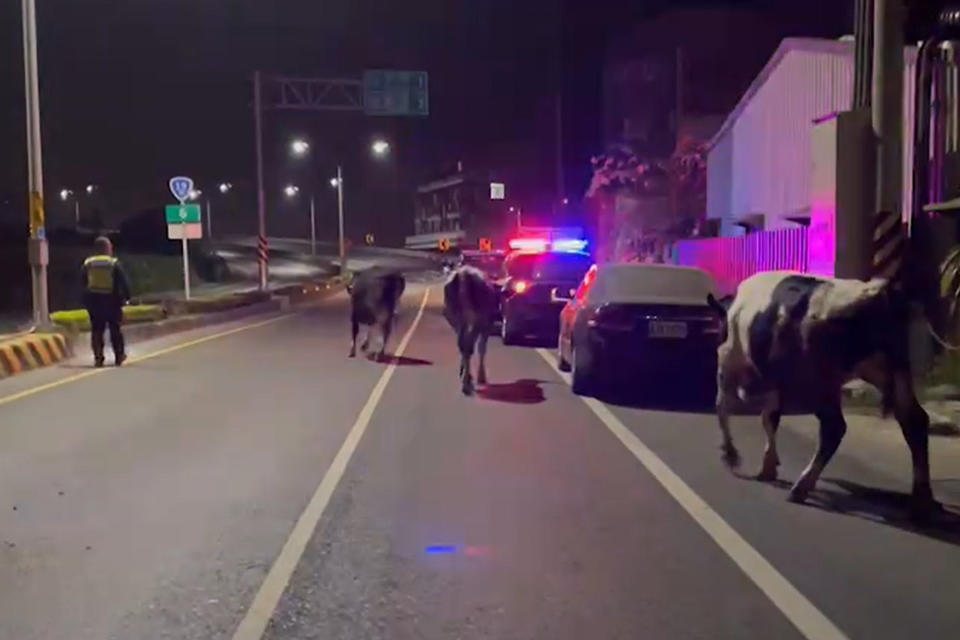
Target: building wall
(761, 161)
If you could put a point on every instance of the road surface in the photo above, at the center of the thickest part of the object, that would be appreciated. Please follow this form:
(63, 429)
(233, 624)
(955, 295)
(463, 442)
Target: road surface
(248, 480)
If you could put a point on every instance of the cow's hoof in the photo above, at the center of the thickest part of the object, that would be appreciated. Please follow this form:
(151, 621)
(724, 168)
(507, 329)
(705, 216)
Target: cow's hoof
(798, 495)
(352, 354)
(365, 347)
(766, 475)
(481, 379)
(731, 457)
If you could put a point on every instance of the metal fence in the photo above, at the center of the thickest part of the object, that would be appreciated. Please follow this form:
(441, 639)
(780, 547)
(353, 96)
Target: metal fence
(732, 260)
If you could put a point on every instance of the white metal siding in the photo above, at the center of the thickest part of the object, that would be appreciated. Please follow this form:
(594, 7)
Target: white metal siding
(762, 163)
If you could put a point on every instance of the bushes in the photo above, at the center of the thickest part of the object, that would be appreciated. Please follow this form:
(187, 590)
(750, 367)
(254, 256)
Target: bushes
(79, 320)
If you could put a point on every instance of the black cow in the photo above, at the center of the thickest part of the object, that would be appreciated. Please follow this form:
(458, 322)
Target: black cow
(373, 302)
(470, 305)
(794, 340)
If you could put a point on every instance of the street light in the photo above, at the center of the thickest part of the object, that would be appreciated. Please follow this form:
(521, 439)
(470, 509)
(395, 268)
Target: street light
(90, 189)
(291, 190)
(65, 194)
(225, 186)
(299, 147)
(194, 194)
(380, 148)
(334, 182)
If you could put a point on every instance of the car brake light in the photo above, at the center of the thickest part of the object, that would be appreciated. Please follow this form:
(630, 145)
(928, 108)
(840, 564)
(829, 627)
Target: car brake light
(520, 286)
(612, 318)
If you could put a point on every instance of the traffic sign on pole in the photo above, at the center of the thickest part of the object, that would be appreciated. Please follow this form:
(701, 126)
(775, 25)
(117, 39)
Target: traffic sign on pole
(395, 93)
(183, 214)
(181, 187)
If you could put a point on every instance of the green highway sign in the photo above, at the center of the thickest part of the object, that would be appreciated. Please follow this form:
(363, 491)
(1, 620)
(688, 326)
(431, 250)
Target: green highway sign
(395, 93)
(183, 213)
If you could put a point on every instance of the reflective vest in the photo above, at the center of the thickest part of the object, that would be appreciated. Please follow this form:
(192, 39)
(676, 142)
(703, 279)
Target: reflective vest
(100, 270)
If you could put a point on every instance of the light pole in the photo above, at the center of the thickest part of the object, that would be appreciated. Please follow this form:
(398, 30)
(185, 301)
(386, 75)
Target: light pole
(224, 189)
(38, 249)
(338, 184)
(299, 148)
(66, 194)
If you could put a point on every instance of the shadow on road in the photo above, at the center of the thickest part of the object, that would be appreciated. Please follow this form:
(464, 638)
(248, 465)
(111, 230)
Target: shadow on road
(661, 398)
(524, 391)
(891, 508)
(400, 361)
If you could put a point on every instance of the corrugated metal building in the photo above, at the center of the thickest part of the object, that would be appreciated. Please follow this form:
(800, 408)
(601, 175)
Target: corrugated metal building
(759, 163)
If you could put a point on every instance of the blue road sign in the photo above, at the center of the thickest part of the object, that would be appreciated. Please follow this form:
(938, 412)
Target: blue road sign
(181, 187)
(396, 93)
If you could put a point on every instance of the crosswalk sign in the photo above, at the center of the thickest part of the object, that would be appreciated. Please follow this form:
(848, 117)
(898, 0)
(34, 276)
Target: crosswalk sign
(485, 244)
(444, 245)
(369, 239)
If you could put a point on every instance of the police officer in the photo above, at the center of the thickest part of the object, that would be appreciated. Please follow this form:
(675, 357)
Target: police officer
(105, 291)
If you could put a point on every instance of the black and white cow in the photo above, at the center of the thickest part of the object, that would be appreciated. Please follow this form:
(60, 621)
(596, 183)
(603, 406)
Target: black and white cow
(470, 304)
(792, 341)
(373, 302)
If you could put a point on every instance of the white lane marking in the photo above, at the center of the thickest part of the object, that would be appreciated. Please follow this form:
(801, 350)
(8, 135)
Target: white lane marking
(809, 620)
(264, 604)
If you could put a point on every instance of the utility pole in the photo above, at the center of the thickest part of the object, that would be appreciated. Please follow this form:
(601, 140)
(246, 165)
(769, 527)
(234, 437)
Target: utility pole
(209, 221)
(261, 200)
(559, 159)
(887, 102)
(38, 248)
(313, 226)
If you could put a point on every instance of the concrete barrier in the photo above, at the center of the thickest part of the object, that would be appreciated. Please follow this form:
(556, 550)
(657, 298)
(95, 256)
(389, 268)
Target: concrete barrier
(33, 351)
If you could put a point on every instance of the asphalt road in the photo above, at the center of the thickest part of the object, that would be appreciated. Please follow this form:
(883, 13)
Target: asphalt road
(154, 502)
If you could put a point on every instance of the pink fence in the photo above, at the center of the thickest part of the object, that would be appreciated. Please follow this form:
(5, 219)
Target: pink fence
(732, 260)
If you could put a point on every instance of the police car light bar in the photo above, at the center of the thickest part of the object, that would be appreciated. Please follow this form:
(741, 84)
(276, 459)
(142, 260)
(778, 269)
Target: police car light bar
(528, 244)
(569, 245)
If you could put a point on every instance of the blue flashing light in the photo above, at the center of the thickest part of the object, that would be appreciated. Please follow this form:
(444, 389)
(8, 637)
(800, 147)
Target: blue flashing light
(437, 549)
(570, 245)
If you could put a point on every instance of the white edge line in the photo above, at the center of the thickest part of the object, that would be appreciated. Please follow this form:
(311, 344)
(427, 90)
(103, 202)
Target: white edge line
(809, 620)
(264, 604)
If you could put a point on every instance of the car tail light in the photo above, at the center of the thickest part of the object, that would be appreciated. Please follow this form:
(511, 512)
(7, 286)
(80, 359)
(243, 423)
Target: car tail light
(613, 319)
(713, 327)
(519, 286)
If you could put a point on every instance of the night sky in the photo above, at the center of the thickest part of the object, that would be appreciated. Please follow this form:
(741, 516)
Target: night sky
(133, 91)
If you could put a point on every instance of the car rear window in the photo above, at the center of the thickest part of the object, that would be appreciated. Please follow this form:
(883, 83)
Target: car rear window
(567, 267)
(639, 283)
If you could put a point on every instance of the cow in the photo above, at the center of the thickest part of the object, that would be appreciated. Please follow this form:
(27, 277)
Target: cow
(470, 304)
(373, 302)
(792, 341)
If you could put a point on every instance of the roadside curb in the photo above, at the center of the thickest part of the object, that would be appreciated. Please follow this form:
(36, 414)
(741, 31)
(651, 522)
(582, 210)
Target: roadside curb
(33, 351)
(37, 350)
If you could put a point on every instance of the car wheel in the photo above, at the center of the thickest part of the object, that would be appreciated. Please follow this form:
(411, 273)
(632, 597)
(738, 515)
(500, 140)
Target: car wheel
(584, 376)
(562, 363)
(509, 337)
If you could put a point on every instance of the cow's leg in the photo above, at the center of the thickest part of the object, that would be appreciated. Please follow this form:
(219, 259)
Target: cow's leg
(726, 393)
(366, 337)
(482, 337)
(387, 328)
(770, 416)
(465, 341)
(915, 424)
(354, 330)
(832, 429)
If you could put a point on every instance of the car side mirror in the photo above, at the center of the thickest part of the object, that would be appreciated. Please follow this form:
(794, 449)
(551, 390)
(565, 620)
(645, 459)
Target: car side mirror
(556, 297)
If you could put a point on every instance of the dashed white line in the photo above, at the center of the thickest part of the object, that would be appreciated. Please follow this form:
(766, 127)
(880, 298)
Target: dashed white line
(264, 604)
(809, 620)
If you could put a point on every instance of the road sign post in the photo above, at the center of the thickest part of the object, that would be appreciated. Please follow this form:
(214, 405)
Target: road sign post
(395, 93)
(183, 223)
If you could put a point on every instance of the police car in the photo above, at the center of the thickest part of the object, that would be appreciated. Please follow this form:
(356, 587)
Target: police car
(534, 269)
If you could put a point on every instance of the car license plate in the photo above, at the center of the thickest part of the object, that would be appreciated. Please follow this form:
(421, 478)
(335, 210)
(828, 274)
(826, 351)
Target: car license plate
(663, 329)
